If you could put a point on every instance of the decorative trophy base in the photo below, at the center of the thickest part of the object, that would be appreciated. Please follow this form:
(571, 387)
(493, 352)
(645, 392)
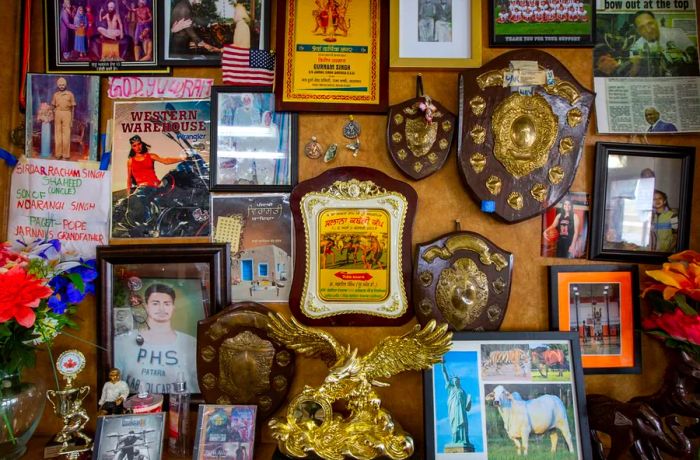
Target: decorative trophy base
(280, 456)
(458, 447)
(73, 450)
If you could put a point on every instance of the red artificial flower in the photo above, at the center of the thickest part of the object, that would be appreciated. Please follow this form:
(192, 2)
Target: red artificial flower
(676, 324)
(20, 293)
(8, 255)
(690, 256)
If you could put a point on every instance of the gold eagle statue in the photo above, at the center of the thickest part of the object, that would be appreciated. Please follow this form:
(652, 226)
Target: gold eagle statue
(359, 428)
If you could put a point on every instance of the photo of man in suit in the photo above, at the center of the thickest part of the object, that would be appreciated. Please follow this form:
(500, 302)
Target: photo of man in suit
(656, 124)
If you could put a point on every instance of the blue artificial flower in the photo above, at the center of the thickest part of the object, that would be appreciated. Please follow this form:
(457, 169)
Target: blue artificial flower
(56, 303)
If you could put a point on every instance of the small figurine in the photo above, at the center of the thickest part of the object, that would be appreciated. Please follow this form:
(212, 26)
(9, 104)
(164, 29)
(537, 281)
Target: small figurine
(114, 393)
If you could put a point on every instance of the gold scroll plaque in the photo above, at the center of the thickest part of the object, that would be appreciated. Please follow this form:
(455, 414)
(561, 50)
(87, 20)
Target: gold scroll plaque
(521, 140)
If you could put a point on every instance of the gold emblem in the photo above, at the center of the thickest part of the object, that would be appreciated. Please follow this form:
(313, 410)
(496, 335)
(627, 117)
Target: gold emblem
(574, 117)
(515, 200)
(401, 154)
(420, 136)
(539, 192)
(223, 399)
(490, 78)
(564, 90)
(398, 119)
(566, 145)
(478, 134)
(209, 381)
(396, 137)
(466, 242)
(525, 129)
(478, 162)
(265, 402)
(245, 363)
(556, 174)
(432, 158)
(417, 166)
(279, 382)
(426, 278)
(443, 144)
(446, 125)
(410, 110)
(425, 307)
(493, 183)
(208, 354)
(365, 430)
(283, 358)
(462, 292)
(493, 313)
(498, 285)
(478, 105)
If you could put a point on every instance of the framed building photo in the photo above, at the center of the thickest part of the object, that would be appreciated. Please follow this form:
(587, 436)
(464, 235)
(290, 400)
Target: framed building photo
(196, 32)
(600, 303)
(489, 384)
(102, 36)
(62, 116)
(541, 23)
(332, 56)
(224, 432)
(435, 33)
(258, 229)
(151, 298)
(641, 204)
(129, 436)
(254, 147)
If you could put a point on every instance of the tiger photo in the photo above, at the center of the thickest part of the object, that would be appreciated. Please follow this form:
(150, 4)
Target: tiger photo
(505, 362)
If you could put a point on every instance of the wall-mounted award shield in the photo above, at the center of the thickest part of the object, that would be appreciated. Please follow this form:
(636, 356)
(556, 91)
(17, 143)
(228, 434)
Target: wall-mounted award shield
(237, 363)
(462, 279)
(522, 122)
(352, 263)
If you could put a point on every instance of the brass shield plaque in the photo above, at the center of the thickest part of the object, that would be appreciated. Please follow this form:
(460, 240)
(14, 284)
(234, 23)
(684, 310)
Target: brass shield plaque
(520, 142)
(237, 363)
(419, 147)
(462, 279)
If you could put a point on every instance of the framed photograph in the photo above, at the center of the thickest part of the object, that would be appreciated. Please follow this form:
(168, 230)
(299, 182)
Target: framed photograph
(195, 32)
(224, 432)
(258, 229)
(600, 303)
(254, 147)
(488, 382)
(352, 264)
(332, 56)
(62, 116)
(435, 33)
(541, 23)
(129, 436)
(102, 36)
(565, 227)
(641, 205)
(152, 297)
(160, 169)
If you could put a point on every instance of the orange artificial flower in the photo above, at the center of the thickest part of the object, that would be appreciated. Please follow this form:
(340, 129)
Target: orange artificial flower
(678, 277)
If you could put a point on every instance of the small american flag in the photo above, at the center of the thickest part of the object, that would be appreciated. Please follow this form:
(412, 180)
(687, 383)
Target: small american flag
(243, 66)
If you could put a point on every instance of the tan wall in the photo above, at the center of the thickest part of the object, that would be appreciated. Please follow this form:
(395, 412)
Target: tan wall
(442, 200)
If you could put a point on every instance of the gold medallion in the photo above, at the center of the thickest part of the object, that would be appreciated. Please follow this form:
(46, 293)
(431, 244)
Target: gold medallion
(478, 134)
(493, 183)
(566, 145)
(396, 137)
(402, 154)
(432, 158)
(556, 174)
(420, 135)
(515, 200)
(539, 192)
(446, 125)
(478, 162)
(574, 117)
(398, 119)
(478, 105)
(443, 144)
(417, 166)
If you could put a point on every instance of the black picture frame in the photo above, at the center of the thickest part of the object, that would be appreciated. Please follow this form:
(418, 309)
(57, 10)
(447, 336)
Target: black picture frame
(472, 351)
(610, 240)
(214, 37)
(283, 173)
(614, 341)
(181, 262)
(548, 37)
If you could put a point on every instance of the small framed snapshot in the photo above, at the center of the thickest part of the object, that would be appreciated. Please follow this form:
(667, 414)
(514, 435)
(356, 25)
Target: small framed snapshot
(224, 432)
(62, 116)
(254, 147)
(129, 436)
(641, 206)
(489, 382)
(102, 36)
(435, 33)
(541, 23)
(258, 229)
(152, 297)
(600, 303)
(565, 227)
(195, 32)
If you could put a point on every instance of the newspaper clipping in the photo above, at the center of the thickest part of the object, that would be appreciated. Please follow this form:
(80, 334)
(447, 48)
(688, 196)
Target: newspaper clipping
(645, 61)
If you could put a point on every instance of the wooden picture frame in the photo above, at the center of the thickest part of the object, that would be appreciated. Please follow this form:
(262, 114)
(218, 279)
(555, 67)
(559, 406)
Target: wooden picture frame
(224, 431)
(101, 47)
(454, 43)
(370, 215)
(254, 146)
(490, 374)
(629, 178)
(341, 65)
(215, 30)
(609, 335)
(129, 277)
(148, 429)
(516, 23)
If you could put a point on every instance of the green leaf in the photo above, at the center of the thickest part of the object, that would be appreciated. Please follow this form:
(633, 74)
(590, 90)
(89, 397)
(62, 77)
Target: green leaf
(77, 281)
(683, 305)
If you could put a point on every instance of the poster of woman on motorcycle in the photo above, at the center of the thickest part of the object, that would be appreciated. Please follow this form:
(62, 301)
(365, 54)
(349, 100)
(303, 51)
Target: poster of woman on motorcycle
(160, 169)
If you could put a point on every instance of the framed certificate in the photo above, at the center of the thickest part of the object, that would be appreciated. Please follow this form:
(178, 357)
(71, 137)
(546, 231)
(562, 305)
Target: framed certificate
(353, 249)
(332, 56)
